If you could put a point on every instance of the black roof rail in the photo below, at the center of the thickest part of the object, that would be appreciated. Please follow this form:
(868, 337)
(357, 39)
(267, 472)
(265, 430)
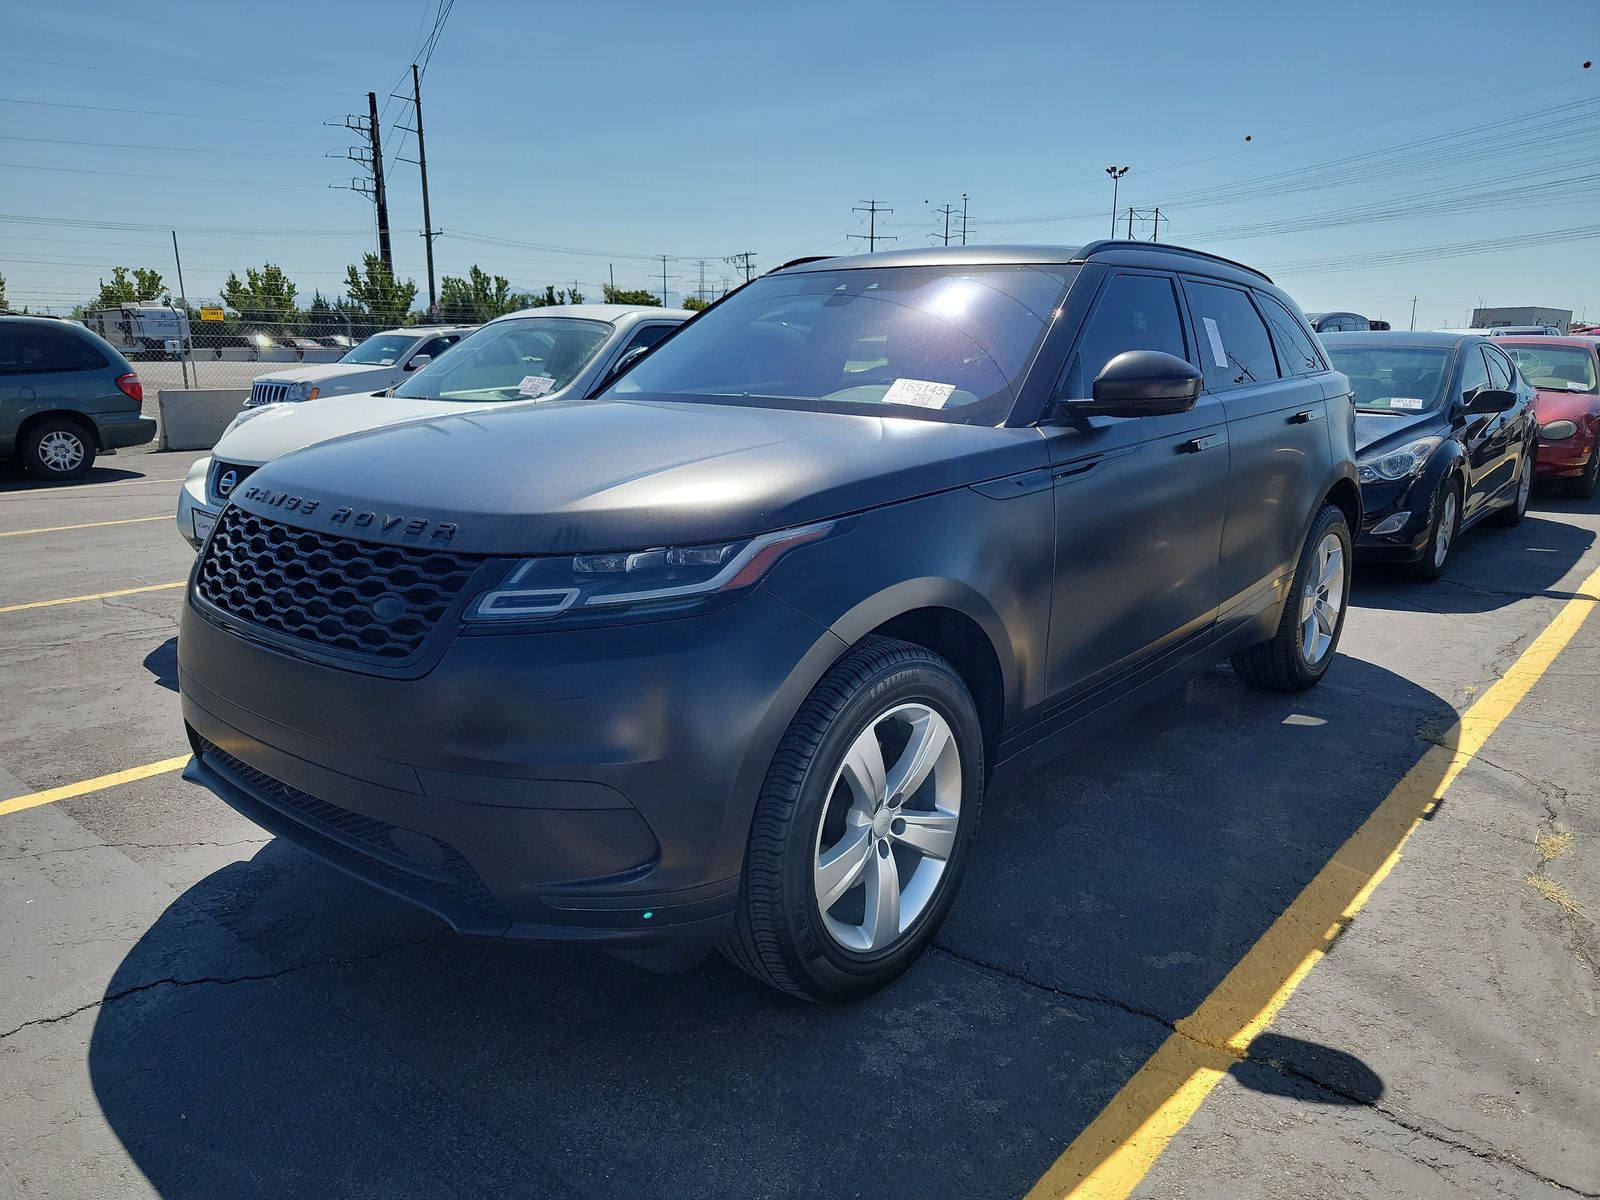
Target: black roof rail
(795, 262)
(1091, 249)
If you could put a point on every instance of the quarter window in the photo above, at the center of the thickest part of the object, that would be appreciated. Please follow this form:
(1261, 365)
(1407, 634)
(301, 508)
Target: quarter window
(647, 336)
(1235, 347)
(1135, 312)
(1499, 368)
(1296, 351)
(1474, 373)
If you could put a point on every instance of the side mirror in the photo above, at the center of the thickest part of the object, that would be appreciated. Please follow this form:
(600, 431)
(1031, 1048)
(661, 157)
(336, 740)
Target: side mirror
(1488, 401)
(627, 360)
(418, 360)
(1141, 383)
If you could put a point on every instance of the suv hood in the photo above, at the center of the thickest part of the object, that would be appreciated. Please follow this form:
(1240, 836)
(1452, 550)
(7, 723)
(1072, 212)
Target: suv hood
(277, 429)
(325, 373)
(589, 475)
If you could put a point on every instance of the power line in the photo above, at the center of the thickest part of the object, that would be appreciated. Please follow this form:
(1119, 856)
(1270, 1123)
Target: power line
(12, 137)
(168, 75)
(153, 112)
(146, 175)
(872, 237)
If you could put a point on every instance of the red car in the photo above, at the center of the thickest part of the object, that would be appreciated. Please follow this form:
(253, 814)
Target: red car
(1566, 372)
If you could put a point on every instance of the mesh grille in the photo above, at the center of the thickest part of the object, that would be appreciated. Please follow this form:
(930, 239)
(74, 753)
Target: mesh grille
(446, 873)
(326, 590)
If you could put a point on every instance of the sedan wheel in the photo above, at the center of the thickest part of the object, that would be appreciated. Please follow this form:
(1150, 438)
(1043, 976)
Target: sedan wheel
(862, 829)
(1513, 513)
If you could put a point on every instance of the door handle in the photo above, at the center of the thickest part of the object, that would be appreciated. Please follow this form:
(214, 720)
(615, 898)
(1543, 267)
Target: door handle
(1305, 416)
(1196, 445)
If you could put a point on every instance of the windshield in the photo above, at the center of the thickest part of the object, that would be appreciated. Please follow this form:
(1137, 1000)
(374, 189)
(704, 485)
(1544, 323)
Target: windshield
(945, 343)
(1555, 368)
(380, 350)
(520, 359)
(1406, 379)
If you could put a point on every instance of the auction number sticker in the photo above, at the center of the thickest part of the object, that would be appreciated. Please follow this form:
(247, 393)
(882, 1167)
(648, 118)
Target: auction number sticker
(1409, 403)
(919, 392)
(1218, 354)
(535, 385)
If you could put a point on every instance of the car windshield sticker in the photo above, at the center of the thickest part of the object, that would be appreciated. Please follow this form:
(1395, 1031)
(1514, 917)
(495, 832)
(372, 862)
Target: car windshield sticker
(535, 385)
(1407, 402)
(1218, 354)
(386, 362)
(919, 392)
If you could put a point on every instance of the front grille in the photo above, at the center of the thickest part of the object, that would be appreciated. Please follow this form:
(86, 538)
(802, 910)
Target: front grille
(267, 393)
(380, 602)
(225, 477)
(446, 873)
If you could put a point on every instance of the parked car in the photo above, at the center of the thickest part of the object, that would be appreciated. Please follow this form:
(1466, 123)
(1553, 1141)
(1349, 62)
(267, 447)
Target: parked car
(1338, 322)
(65, 395)
(1565, 373)
(379, 362)
(1446, 434)
(566, 349)
(731, 653)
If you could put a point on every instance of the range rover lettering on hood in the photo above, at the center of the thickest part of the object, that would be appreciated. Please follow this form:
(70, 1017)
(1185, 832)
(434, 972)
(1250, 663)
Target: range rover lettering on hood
(395, 527)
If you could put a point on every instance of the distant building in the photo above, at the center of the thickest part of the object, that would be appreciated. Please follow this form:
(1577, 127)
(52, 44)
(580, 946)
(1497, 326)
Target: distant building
(1485, 318)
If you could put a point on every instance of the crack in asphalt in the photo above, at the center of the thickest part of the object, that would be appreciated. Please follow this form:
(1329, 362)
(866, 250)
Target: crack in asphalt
(1284, 1068)
(131, 846)
(220, 981)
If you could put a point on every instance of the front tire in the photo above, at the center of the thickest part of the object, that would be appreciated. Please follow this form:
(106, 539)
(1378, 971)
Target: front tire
(57, 449)
(863, 826)
(1583, 487)
(1298, 655)
(1443, 529)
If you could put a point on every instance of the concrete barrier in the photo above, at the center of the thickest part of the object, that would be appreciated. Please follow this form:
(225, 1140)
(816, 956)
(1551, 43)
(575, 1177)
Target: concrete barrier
(194, 418)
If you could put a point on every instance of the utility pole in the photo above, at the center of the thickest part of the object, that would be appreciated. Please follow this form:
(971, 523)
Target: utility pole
(946, 212)
(745, 262)
(701, 293)
(428, 232)
(1155, 233)
(963, 218)
(1116, 174)
(1130, 223)
(369, 156)
(183, 300)
(871, 237)
(1413, 312)
(663, 281)
(611, 270)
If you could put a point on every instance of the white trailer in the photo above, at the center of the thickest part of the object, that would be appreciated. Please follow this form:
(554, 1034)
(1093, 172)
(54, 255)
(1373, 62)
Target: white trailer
(142, 329)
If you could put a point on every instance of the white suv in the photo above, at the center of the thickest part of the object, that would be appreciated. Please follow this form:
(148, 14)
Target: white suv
(377, 363)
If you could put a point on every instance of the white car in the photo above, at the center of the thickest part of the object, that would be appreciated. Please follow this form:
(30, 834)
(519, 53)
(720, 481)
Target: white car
(381, 361)
(563, 352)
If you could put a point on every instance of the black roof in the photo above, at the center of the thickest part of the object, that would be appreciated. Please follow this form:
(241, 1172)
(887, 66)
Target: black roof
(1114, 251)
(1399, 337)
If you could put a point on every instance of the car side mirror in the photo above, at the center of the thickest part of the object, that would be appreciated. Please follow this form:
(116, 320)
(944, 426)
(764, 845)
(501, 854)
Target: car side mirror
(1488, 401)
(419, 360)
(1141, 383)
(629, 357)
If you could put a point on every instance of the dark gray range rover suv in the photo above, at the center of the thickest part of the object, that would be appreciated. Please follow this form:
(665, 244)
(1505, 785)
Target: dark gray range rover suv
(730, 655)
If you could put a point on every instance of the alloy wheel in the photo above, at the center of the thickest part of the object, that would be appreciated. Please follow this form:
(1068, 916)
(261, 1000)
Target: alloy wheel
(61, 451)
(1322, 600)
(889, 827)
(1446, 532)
(1525, 484)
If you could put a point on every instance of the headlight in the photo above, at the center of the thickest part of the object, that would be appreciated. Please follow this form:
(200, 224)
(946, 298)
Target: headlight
(1555, 431)
(547, 587)
(1403, 463)
(301, 392)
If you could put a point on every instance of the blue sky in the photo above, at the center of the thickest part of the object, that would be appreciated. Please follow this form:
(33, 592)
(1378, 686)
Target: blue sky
(597, 135)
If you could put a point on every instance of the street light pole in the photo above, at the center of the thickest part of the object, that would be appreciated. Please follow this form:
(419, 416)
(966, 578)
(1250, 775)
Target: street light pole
(1116, 174)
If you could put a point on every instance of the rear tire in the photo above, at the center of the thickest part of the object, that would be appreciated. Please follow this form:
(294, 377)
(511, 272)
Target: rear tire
(57, 449)
(1583, 487)
(1299, 654)
(830, 819)
(1513, 513)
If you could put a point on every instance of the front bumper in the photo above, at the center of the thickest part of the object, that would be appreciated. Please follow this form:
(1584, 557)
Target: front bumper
(1380, 503)
(195, 515)
(118, 431)
(1564, 459)
(588, 784)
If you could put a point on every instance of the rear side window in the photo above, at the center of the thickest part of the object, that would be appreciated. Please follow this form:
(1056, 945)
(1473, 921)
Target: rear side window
(1235, 347)
(1134, 312)
(32, 349)
(648, 336)
(1296, 351)
(1474, 374)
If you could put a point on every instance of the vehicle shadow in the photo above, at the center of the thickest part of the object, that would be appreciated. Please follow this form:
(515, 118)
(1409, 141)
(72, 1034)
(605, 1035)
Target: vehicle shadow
(14, 479)
(281, 1029)
(1504, 565)
(162, 662)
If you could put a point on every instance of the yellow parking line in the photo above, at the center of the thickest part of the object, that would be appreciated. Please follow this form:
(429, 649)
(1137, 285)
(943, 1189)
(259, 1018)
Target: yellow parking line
(40, 493)
(1118, 1148)
(98, 783)
(150, 587)
(86, 525)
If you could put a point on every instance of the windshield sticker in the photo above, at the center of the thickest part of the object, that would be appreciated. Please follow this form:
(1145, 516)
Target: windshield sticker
(535, 385)
(1410, 403)
(1218, 354)
(919, 392)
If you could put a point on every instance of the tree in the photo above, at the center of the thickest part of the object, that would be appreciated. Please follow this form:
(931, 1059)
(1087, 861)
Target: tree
(695, 304)
(265, 295)
(374, 293)
(618, 296)
(2, 291)
(552, 297)
(478, 297)
(130, 288)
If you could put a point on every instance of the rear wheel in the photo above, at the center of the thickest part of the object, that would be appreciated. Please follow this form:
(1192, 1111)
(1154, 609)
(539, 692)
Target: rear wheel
(863, 826)
(1513, 513)
(1443, 527)
(1299, 654)
(1584, 485)
(57, 448)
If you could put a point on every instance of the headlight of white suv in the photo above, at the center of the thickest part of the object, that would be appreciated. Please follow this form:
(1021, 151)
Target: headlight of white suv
(301, 392)
(1403, 463)
(547, 587)
(1557, 431)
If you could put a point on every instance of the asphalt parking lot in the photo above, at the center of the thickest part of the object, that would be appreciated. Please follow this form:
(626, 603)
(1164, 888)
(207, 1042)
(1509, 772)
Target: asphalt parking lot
(1337, 944)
